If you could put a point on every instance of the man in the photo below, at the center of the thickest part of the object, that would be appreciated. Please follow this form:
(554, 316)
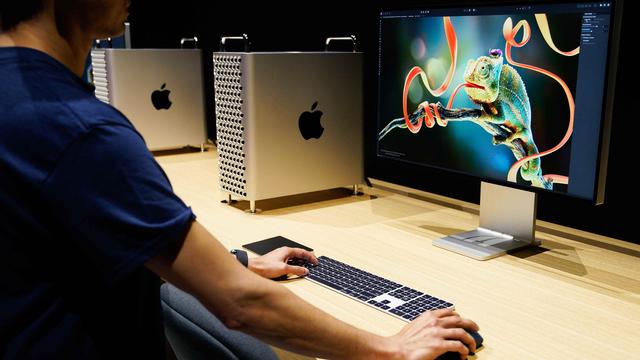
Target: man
(85, 209)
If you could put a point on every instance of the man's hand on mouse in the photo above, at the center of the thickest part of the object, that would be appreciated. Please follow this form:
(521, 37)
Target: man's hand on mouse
(435, 333)
(274, 264)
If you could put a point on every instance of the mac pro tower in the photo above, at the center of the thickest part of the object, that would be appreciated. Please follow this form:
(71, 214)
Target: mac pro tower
(288, 122)
(159, 90)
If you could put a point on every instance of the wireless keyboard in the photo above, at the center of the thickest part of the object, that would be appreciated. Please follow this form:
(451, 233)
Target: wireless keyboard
(400, 301)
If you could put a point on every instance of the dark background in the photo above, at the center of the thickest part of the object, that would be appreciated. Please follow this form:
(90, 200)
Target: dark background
(303, 25)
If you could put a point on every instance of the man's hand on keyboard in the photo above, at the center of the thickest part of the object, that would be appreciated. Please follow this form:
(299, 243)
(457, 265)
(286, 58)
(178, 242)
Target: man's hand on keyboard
(435, 333)
(274, 264)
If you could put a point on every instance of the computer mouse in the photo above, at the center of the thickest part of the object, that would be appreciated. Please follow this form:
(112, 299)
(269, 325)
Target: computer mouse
(451, 355)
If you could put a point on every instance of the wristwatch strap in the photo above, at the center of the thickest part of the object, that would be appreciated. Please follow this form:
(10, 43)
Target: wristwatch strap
(242, 256)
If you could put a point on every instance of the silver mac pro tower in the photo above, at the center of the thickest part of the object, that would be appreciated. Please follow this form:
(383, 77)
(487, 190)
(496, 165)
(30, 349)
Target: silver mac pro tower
(159, 90)
(288, 122)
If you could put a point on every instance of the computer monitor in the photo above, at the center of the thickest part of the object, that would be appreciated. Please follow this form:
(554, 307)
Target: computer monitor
(519, 96)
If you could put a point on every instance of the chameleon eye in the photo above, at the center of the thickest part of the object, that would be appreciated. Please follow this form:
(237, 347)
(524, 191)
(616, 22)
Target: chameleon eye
(483, 71)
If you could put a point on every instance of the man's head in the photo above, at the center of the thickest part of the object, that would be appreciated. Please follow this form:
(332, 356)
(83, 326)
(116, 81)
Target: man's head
(93, 18)
(15, 12)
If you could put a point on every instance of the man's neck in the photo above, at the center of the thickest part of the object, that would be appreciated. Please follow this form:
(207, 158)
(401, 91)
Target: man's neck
(42, 34)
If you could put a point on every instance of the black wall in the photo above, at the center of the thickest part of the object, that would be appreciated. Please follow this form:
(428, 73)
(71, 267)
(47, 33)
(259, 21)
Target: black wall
(303, 25)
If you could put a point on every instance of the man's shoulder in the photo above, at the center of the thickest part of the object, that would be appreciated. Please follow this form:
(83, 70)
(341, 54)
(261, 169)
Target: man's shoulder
(41, 119)
(60, 101)
(88, 111)
(45, 90)
(62, 119)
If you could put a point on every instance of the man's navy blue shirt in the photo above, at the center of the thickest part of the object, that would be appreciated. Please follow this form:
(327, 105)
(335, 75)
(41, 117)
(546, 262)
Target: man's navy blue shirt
(83, 204)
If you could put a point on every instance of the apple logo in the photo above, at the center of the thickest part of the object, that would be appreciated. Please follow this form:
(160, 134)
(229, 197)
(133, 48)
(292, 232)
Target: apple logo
(160, 98)
(309, 123)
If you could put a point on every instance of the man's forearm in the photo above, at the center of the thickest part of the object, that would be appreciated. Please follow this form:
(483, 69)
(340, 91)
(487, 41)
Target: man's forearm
(247, 302)
(280, 317)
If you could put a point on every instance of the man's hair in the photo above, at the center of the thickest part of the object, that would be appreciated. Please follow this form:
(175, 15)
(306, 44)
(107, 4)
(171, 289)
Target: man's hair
(13, 12)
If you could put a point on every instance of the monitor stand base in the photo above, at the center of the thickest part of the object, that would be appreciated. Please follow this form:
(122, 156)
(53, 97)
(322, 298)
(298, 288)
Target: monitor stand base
(507, 223)
(480, 244)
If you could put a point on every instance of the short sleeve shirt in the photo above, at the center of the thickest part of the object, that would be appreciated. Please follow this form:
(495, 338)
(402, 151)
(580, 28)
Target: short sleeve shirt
(83, 204)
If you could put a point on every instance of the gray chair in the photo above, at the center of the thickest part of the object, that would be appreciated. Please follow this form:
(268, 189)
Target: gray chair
(194, 333)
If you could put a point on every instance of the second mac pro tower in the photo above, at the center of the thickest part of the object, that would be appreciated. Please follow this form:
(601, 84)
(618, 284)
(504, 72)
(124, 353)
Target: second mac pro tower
(288, 122)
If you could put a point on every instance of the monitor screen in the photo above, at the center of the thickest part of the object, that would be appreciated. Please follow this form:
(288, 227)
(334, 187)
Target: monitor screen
(511, 94)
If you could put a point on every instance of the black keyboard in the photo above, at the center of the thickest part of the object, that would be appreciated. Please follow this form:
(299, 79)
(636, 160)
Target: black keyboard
(385, 295)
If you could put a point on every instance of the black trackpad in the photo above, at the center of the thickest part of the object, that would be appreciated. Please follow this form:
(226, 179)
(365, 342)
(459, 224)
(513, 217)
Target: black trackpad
(267, 245)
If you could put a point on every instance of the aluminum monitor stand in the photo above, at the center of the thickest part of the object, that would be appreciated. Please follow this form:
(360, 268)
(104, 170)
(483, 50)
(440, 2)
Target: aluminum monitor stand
(507, 222)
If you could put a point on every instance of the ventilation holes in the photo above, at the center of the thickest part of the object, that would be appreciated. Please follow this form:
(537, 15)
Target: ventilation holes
(227, 76)
(99, 71)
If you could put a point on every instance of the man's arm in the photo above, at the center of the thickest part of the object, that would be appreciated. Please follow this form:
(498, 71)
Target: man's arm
(267, 310)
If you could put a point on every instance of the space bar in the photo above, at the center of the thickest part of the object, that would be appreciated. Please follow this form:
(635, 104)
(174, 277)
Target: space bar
(325, 282)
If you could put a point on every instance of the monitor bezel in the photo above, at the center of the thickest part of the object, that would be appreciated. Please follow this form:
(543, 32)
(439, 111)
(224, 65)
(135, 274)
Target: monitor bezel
(395, 171)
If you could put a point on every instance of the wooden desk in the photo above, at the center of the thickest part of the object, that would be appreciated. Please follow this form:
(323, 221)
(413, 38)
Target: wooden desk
(576, 297)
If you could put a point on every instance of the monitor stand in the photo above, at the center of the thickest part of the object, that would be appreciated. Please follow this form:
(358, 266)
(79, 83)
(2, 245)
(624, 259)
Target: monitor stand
(507, 223)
